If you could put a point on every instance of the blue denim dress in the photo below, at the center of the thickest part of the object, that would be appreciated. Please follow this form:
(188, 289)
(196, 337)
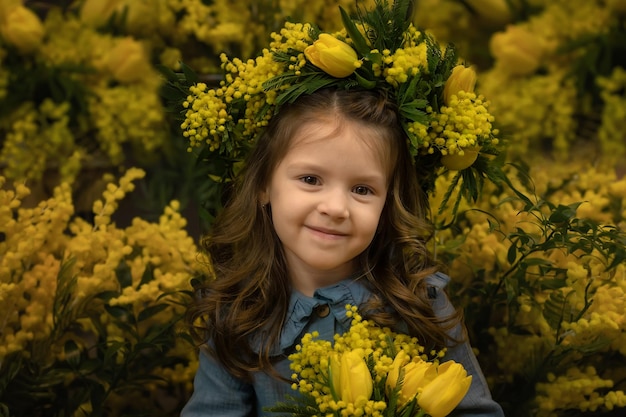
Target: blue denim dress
(217, 393)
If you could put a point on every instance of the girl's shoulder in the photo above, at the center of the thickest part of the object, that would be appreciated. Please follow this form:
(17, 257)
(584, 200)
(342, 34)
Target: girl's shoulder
(435, 283)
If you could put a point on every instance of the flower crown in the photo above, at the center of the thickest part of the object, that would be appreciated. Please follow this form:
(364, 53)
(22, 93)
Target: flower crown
(446, 123)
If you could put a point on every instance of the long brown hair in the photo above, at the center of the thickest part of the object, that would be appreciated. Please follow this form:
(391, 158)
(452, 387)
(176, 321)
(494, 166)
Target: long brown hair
(249, 295)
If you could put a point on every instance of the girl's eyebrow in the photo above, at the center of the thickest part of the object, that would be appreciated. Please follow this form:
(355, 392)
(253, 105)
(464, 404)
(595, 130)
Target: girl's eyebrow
(312, 166)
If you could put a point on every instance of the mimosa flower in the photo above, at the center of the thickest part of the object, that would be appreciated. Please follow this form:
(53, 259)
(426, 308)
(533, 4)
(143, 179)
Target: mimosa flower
(333, 56)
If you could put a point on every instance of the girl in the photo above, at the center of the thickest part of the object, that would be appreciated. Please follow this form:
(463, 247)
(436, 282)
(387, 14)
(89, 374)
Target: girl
(328, 211)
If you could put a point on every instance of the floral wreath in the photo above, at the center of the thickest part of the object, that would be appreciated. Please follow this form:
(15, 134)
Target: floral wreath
(447, 124)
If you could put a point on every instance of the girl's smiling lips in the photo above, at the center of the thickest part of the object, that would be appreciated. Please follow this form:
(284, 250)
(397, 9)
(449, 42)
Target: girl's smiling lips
(324, 232)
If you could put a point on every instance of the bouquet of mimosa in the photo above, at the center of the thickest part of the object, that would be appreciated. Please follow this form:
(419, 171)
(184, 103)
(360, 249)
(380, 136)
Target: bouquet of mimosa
(372, 371)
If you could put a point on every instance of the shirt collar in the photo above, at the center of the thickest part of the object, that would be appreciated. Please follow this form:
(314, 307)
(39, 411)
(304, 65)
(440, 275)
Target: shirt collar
(349, 291)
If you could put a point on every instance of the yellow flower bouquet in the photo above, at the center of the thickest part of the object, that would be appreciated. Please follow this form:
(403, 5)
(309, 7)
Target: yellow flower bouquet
(372, 371)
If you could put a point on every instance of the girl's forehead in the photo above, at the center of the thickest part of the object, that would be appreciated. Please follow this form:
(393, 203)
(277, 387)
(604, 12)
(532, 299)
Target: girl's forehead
(328, 130)
(329, 127)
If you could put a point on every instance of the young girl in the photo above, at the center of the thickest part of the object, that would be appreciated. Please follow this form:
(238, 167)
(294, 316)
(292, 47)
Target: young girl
(327, 212)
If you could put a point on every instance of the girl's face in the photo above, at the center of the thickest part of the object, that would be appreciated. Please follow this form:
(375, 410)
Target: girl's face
(327, 195)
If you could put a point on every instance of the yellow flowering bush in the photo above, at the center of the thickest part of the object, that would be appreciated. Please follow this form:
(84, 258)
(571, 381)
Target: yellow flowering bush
(543, 286)
(372, 371)
(551, 69)
(554, 79)
(74, 90)
(90, 310)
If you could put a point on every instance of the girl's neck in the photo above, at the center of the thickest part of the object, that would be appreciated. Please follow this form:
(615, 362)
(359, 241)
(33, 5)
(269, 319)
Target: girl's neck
(306, 282)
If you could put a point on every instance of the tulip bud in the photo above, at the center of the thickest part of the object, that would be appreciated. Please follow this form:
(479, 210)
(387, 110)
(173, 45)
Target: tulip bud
(332, 56)
(22, 28)
(462, 78)
(142, 16)
(392, 376)
(128, 61)
(351, 377)
(98, 12)
(415, 376)
(517, 50)
(6, 6)
(457, 161)
(439, 397)
(493, 12)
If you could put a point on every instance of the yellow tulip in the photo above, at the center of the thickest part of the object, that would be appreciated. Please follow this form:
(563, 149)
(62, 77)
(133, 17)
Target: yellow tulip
(462, 78)
(392, 377)
(351, 377)
(98, 12)
(416, 375)
(493, 12)
(22, 28)
(457, 162)
(128, 61)
(5, 7)
(517, 50)
(446, 390)
(332, 56)
(142, 16)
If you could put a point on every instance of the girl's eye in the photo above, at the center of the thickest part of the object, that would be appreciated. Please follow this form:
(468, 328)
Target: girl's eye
(309, 179)
(362, 190)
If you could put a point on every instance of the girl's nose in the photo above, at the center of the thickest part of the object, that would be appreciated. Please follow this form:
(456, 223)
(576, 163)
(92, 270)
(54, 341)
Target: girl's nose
(334, 203)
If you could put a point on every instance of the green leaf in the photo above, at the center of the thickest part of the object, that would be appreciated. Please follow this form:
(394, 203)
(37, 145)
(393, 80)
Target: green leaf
(364, 82)
(553, 309)
(511, 254)
(147, 276)
(360, 43)
(190, 76)
(167, 73)
(564, 214)
(120, 313)
(107, 296)
(123, 275)
(151, 311)
(72, 354)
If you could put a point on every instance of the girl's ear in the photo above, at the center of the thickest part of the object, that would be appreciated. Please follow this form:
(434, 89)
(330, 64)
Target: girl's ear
(264, 197)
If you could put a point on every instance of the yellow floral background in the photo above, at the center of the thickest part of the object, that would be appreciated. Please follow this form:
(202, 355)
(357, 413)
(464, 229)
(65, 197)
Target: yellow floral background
(102, 205)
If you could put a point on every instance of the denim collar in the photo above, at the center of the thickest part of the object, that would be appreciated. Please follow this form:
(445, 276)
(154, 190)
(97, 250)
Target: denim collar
(348, 291)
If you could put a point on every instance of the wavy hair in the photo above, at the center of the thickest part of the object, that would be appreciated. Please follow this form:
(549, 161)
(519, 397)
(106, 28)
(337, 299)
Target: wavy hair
(247, 299)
